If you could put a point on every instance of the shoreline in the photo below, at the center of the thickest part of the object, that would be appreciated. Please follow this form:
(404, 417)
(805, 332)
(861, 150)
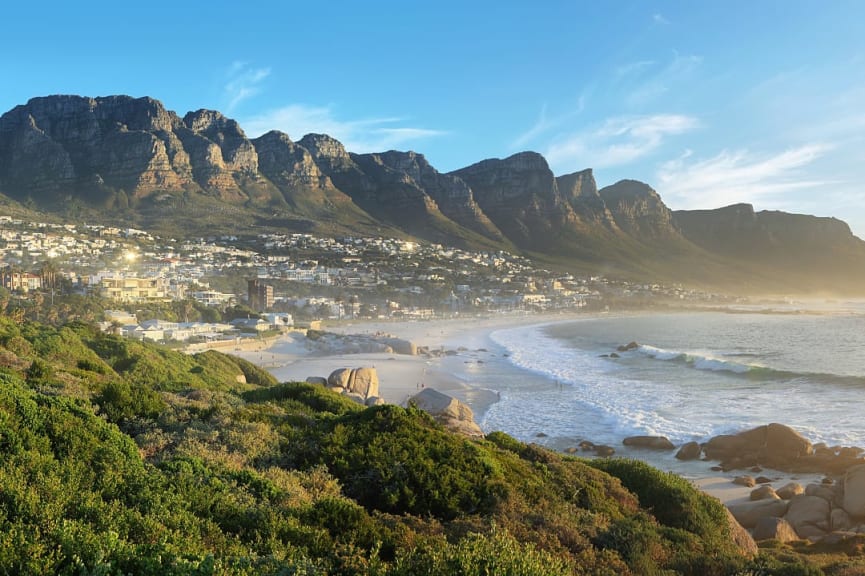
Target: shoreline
(290, 358)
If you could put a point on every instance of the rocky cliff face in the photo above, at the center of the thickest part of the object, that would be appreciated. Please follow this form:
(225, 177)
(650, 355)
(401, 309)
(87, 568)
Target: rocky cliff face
(770, 236)
(335, 162)
(287, 164)
(56, 144)
(581, 192)
(521, 197)
(119, 151)
(639, 211)
(451, 194)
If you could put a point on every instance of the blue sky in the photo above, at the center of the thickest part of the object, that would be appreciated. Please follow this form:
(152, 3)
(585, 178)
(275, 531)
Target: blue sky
(710, 103)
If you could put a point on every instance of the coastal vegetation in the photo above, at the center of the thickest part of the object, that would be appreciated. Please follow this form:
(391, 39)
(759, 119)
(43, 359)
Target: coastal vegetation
(121, 457)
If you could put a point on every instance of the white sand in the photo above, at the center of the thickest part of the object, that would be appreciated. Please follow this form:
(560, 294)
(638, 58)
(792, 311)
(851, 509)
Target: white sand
(400, 376)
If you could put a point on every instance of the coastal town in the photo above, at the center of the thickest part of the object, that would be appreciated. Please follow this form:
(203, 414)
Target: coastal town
(284, 280)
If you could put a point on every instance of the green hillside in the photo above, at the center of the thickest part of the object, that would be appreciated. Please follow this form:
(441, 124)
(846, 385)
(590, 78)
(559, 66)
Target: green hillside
(127, 458)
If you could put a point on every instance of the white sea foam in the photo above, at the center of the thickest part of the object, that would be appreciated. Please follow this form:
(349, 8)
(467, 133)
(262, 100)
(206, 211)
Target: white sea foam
(568, 389)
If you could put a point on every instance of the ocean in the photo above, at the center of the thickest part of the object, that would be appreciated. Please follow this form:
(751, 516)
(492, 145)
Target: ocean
(692, 376)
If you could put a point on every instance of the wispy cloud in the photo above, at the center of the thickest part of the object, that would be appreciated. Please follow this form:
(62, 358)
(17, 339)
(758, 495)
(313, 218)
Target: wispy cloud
(618, 141)
(633, 68)
(658, 18)
(738, 176)
(544, 124)
(242, 83)
(362, 135)
(674, 74)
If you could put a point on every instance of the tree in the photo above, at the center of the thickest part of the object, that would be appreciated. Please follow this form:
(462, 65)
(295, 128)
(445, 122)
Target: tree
(49, 276)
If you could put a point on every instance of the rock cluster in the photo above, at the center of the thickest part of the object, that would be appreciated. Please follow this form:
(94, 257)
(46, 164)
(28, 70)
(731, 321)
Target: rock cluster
(814, 512)
(359, 384)
(329, 343)
(779, 447)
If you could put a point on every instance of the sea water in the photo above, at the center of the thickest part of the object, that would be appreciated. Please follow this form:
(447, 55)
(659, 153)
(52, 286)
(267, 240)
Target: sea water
(692, 376)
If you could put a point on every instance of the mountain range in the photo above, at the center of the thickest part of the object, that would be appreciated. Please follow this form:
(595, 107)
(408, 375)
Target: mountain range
(125, 159)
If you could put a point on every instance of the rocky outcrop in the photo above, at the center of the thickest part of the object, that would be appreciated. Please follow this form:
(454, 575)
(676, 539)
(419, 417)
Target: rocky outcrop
(94, 146)
(448, 411)
(789, 490)
(639, 211)
(798, 244)
(650, 442)
(451, 194)
(772, 528)
(741, 537)
(809, 516)
(581, 191)
(119, 153)
(779, 447)
(749, 513)
(854, 491)
(689, 451)
(521, 197)
(359, 384)
(775, 445)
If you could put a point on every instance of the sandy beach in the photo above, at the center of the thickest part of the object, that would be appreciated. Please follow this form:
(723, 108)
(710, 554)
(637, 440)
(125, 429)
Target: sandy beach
(293, 358)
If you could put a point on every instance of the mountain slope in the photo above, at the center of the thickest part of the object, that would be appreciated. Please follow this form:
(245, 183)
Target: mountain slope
(123, 159)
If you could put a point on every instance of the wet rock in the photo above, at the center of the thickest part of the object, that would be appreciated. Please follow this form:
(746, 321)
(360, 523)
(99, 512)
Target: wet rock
(604, 450)
(651, 442)
(689, 451)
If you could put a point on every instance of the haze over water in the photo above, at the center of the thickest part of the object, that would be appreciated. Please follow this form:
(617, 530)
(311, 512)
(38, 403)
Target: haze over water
(693, 376)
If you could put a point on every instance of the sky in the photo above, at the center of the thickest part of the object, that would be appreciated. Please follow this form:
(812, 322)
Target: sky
(711, 103)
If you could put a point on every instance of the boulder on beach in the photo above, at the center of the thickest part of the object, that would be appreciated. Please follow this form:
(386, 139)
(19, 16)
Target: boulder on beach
(652, 442)
(628, 347)
(317, 380)
(364, 381)
(448, 411)
(745, 481)
(741, 537)
(824, 491)
(771, 528)
(809, 515)
(689, 451)
(357, 383)
(604, 451)
(339, 378)
(789, 490)
(749, 513)
(763, 493)
(854, 491)
(401, 346)
(840, 520)
(773, 445)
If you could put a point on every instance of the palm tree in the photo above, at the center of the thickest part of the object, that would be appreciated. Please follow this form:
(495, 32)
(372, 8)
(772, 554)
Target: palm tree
(49, 276)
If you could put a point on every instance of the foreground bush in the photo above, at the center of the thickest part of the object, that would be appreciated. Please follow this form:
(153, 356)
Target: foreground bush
(121, 457)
